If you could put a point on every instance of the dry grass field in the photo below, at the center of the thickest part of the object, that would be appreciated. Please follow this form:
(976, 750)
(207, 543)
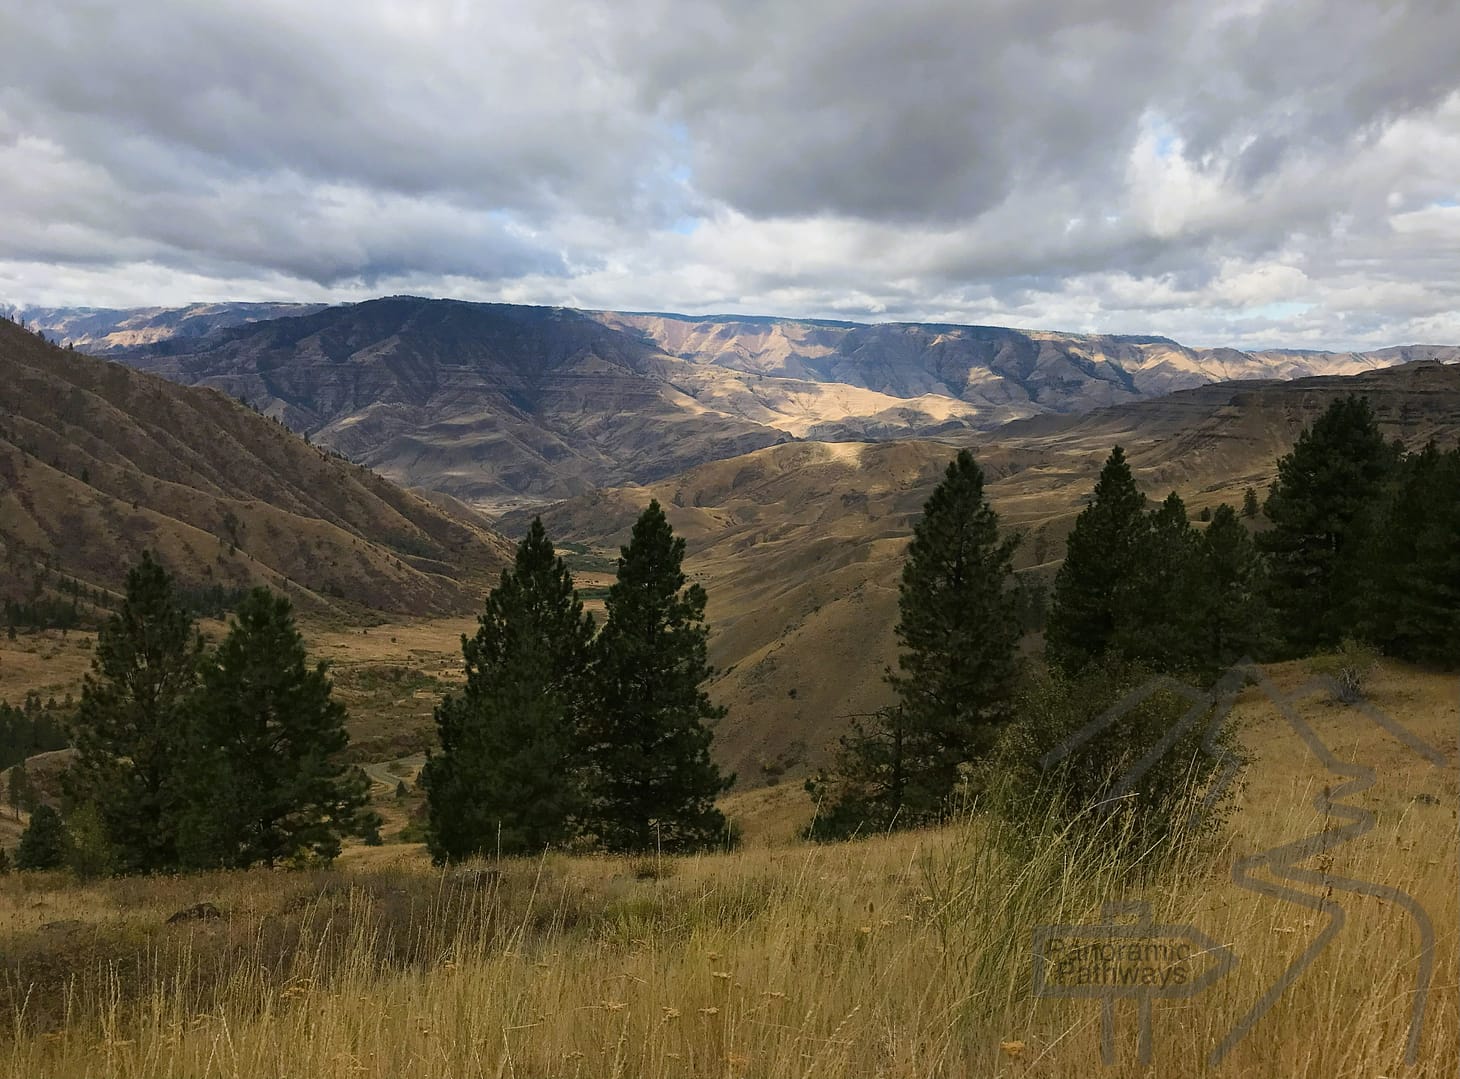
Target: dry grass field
(906, 955)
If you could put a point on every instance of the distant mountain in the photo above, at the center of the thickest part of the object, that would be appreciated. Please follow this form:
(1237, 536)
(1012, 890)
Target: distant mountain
(491, 403)
(999, 374)
(99, 330)
(99, 462)
(800, 546)
(505, 406)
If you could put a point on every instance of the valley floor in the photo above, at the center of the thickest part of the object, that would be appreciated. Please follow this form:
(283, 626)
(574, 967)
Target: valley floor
(906, 955)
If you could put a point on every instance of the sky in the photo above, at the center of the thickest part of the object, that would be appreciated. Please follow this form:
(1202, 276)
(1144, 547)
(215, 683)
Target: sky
(1258, 174)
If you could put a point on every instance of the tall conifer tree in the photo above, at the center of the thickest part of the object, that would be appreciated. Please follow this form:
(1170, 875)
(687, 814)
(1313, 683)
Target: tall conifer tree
(266, 749)
(509, 777)
(1102, 559)
(1235, 623)
(959, 630)
(1318, 508)
(1410, 595)
(654, 784)
(133, 724)
(1158, 608)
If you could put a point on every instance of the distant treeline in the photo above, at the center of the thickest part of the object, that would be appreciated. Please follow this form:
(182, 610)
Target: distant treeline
(65, 603)
(32, 728)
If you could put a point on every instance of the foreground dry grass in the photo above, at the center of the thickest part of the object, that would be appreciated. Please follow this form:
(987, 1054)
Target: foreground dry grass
(898, 956)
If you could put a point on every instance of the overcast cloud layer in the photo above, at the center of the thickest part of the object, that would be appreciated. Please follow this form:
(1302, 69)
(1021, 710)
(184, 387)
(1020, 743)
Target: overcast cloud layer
(1250, 173)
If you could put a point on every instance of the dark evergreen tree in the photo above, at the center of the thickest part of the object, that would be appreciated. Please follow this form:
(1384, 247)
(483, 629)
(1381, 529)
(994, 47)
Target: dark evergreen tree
(32, 728)
(1318, 509)
(4, 861)
(959, 627)
(653, 782)
(267, 749)
(1157, 606)
(18, 790)
(866, 789)
(1410, 594)
(1103, 557)
(1250, 505)
(510, 774)
(1235, 623)
(133, 724)
(43, 843)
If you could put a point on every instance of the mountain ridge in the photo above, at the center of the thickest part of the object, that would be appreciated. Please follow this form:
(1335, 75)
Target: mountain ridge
(504, 406)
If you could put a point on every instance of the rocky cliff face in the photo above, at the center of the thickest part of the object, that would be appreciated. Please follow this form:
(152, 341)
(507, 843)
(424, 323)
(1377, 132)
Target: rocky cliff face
(505, 406)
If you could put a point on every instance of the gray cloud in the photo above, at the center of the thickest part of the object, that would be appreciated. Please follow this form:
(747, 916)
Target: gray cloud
(1252, 172)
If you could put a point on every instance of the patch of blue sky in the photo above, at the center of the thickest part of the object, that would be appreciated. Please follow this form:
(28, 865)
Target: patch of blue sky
(1277, 310)
(1166, 139)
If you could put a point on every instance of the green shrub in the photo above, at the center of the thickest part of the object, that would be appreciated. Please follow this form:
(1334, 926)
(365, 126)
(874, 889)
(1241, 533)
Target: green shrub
(89, 853)
(1056, 762)
(1349, 667)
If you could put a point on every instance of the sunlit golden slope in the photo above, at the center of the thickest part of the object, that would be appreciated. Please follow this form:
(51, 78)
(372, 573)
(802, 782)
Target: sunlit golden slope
(801, 545)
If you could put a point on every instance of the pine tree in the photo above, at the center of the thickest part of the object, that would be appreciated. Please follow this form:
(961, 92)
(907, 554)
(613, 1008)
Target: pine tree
(509, 777)
(1410, 598)
(865, 790)
(1234, 618)
(133, 724)
(268, 742)
(654, 784)
(4, 862)
(43, 843)
(1103, 555)
(18, 790)
(1156, 608)
(1250, 506)
(958, 628)
(1318, 506)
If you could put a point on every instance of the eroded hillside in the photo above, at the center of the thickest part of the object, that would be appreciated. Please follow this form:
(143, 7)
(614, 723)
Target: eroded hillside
(99, 462)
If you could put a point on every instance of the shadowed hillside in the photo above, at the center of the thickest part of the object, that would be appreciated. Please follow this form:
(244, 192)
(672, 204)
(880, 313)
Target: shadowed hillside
(485, 402)
(99, 462)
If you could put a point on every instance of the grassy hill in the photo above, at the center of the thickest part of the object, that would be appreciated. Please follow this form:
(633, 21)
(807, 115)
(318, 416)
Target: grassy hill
(898, 956)
(99, 462)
